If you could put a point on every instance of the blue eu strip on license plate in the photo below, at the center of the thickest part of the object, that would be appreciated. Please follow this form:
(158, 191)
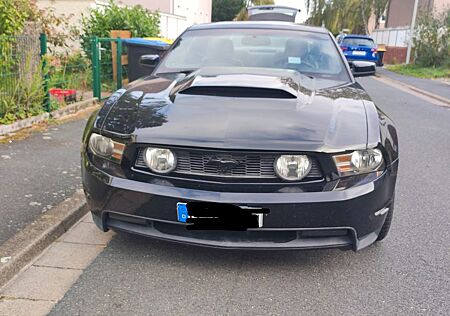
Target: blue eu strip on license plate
(182, 212)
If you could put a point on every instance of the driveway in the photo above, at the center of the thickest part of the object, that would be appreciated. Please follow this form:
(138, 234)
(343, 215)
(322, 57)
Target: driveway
(408, 273)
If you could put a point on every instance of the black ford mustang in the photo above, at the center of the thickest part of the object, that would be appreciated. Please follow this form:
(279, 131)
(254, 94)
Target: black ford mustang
(246, 135)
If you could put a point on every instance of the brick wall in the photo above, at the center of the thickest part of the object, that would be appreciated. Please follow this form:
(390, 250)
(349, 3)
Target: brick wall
(394, 55)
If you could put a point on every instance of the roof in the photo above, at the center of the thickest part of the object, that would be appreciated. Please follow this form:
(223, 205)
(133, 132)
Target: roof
(272, 7)
(358, 36)
(260, 25)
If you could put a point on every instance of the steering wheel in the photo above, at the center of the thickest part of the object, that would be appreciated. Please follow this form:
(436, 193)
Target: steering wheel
(307, 65)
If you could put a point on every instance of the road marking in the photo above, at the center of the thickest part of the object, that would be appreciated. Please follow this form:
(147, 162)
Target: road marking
(45, 281)
(412, 90)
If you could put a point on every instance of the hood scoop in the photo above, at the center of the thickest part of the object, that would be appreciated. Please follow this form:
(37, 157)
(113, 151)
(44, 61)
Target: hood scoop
(243, 83)
(239, 92)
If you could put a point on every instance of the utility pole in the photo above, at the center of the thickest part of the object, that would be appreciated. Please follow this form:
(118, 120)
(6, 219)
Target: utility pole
(411, 32)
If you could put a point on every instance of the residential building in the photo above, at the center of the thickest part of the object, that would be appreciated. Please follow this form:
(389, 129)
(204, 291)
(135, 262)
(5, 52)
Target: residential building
(176, 15)
(395, 33)
(399, 12)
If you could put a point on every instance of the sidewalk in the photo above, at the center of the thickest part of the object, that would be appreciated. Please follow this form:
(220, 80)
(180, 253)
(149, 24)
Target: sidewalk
(37, 173)
(436, 87)
(37, 288)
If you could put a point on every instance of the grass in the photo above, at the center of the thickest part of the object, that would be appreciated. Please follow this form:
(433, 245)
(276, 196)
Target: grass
(420, 71)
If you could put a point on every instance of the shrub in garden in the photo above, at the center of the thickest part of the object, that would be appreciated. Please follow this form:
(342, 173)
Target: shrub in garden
(21, 68)
(25, 99)
(70, 71)
(432, 40)
(101, 21)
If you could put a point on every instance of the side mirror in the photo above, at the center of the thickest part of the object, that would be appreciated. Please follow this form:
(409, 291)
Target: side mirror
(149, 60)
(362, 68)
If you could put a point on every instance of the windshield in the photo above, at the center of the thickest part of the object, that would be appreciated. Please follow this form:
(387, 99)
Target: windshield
(357, 41)
(309, 53)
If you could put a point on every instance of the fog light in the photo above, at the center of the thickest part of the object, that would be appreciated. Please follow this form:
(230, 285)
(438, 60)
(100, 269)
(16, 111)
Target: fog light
(292, 167)
(160, 160)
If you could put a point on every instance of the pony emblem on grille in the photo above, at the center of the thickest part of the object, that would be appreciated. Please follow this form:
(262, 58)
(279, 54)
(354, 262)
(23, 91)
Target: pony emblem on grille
(223, 165)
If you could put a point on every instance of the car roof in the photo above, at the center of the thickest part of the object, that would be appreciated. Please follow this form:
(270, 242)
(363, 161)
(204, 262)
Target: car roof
(358, 36)
(276, 25)
(272, 7)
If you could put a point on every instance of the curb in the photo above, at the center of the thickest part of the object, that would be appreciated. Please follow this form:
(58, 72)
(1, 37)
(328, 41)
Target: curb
(28, 122)
(418, 90)
(430, 95)
(18, 251)
(72, 108)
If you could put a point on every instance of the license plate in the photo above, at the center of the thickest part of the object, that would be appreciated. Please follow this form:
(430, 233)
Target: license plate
(359, 53)
(182, 212)
(218, 216)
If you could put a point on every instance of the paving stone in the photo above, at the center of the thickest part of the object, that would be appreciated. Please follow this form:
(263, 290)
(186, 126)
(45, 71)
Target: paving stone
(86, 233)
(21, 307)
(69, 255)
(41, 283)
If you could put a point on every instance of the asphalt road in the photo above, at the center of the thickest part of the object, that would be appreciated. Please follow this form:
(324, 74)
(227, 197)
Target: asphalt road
(408, 273)
(37, 173)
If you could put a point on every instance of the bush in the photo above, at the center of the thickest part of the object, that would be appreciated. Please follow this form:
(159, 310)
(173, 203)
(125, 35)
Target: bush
(25, 99)
(101, 21)
(13, 15)
(70, 71)
(431, 40)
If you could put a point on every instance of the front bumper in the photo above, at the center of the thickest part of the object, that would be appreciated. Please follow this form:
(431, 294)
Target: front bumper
(333, 219)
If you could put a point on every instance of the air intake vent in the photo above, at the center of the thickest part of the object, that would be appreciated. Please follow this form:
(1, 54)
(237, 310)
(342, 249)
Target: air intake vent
(239, 92)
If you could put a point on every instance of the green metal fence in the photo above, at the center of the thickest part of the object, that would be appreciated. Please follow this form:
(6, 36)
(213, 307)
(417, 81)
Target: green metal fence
(105, 52)
(21, 79)
(35, 78)
(69, 75)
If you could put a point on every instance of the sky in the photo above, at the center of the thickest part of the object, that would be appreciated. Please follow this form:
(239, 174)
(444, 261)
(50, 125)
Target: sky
(300, 4)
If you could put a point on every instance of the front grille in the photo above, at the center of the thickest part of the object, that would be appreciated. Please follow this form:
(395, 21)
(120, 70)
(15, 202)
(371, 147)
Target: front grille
(194, 162)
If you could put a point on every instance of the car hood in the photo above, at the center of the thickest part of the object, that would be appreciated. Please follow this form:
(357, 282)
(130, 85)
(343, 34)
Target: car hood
(261, 110)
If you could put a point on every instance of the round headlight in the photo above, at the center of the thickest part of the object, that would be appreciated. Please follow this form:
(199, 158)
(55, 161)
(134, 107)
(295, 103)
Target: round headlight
(292, 167)
(367, 160)
(101, 145)
(160, 160)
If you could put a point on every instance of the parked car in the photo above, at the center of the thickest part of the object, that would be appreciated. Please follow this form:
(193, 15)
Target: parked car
(359, 48)
(246, 135)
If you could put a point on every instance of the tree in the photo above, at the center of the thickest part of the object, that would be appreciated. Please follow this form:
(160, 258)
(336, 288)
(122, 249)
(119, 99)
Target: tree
(379, 7)
(15, 13)
(226, 10)
(339, 14)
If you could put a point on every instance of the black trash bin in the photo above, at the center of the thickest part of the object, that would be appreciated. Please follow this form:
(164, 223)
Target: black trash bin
(138, 47)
